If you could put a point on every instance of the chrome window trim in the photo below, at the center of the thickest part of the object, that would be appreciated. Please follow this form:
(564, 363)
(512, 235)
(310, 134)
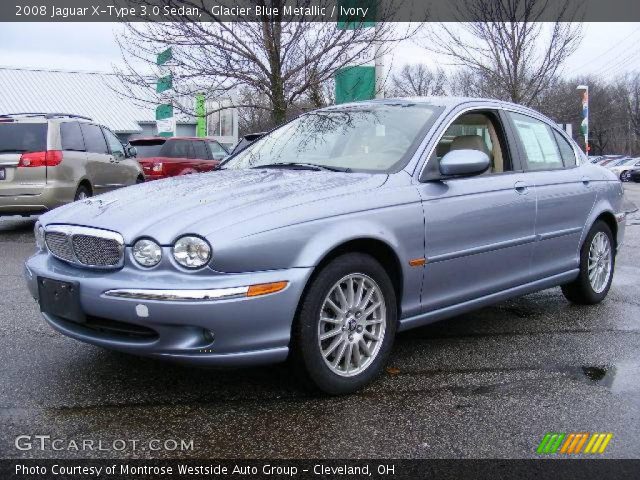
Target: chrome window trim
(489, 106)
(178, 295)
(71, 230)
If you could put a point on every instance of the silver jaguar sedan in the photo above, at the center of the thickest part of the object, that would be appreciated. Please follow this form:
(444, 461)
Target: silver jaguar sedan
(321, 240)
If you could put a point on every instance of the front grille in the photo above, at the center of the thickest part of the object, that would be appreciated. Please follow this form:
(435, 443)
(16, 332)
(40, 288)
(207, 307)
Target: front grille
(96, 251)
(59, 245)
(89, 247)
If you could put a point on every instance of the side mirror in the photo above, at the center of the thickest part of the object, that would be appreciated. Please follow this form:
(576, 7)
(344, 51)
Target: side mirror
(464, 162)
(131, 151)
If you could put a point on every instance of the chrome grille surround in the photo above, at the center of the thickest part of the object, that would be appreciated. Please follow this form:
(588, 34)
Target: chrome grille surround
(85, 246)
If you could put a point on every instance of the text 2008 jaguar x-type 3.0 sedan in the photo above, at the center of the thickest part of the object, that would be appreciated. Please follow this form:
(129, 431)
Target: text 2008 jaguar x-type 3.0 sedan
(331, 233)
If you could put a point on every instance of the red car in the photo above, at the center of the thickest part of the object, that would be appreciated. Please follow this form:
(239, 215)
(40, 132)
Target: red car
(162, 157)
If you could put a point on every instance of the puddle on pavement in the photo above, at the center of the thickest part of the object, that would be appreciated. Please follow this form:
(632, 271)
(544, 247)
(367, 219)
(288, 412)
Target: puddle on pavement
(619, 378)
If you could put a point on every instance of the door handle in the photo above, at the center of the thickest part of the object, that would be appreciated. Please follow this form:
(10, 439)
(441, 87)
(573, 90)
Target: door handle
(586, 181)
(521, 187)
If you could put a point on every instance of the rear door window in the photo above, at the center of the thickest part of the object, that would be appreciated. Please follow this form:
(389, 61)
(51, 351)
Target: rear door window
(178, 149)
(200, 150)
(538, 143)
(71, 137)
(566, 151)
(148, 148)
(23, 137)
(93, 138)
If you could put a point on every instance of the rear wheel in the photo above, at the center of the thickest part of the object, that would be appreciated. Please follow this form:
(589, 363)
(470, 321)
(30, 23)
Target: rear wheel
(597, 263)
(140, 179)
(82, 192)
(625, 176)
(346, 325)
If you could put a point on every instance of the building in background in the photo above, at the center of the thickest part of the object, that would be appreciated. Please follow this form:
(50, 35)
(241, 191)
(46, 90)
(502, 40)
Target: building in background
(95, 95)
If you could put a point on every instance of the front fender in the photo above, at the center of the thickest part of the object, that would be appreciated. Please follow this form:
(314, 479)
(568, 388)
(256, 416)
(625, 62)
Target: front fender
(306, 244)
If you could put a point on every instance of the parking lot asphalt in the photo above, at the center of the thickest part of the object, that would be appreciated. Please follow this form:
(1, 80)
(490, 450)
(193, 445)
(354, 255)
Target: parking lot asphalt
(488, 384)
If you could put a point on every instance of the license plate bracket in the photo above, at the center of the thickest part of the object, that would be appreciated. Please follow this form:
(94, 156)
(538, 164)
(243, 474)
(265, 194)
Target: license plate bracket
(61, 299)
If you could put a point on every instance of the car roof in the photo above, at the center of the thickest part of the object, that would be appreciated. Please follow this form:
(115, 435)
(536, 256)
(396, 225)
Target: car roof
(146, 139)
(447, 102)
(39, 117)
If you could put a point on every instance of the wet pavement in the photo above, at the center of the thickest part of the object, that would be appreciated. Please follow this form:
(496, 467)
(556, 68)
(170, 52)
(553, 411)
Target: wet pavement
(486, 384)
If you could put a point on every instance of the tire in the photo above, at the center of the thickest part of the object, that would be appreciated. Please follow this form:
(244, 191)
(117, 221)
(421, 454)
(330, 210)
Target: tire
(625, 176)
(582, 290)
(82, 192)
(352, 334)
(139, 180)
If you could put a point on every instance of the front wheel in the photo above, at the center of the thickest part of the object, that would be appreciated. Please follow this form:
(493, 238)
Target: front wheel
(597, 263)
(625, 176)
(346, 325)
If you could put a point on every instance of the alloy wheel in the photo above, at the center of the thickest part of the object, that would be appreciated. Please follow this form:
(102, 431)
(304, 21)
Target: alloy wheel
(352, 324)
(599, 262)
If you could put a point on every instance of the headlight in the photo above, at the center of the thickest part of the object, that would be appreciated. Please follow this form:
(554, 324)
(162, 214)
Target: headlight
(192, 252)
(38, 232)
(147, 252)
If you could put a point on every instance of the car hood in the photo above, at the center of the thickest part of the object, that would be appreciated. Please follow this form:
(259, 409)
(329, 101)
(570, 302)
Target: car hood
(208, 202)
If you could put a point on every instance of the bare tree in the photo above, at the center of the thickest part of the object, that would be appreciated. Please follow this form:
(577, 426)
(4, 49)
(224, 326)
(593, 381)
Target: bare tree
(418, 81)
(633, 108)
(281, 61)
(509, 49)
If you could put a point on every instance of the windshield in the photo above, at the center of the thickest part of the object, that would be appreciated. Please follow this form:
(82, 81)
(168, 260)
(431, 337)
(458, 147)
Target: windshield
(23, 137)
(368, 138)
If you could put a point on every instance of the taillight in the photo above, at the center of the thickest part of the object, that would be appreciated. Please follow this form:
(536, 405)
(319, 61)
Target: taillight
(157, 167)
(50, 158)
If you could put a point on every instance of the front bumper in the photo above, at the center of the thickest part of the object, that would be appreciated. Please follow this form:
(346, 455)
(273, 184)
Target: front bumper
(233, 330)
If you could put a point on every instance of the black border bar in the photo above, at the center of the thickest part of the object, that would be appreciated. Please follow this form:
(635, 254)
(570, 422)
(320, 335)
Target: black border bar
(309, 10)
(600, 469)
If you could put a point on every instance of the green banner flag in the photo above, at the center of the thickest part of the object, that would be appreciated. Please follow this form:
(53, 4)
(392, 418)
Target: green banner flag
(164, 56)
(165, 121)
(164, 83)
(201, 119)
(355, 83)
(164, 111)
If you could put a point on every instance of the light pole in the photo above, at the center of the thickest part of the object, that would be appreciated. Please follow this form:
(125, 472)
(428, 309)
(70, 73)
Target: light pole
(584, 126)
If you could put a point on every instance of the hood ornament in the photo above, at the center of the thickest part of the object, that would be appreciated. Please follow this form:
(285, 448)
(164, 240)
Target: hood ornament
(100, 203)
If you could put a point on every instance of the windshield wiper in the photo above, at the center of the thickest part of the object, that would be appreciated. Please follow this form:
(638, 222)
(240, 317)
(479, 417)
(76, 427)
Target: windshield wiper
(303, 166)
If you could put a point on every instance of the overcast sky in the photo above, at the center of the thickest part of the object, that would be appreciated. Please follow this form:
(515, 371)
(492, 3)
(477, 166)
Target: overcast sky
(607, 48)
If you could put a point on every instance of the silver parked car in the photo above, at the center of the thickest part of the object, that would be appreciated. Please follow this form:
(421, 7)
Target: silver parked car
(624, 168)
(328, 235)
(50, 159)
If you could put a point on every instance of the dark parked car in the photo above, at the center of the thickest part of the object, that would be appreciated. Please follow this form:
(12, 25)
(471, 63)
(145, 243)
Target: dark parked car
(635, 176)
(246, 141)
(162, 157)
